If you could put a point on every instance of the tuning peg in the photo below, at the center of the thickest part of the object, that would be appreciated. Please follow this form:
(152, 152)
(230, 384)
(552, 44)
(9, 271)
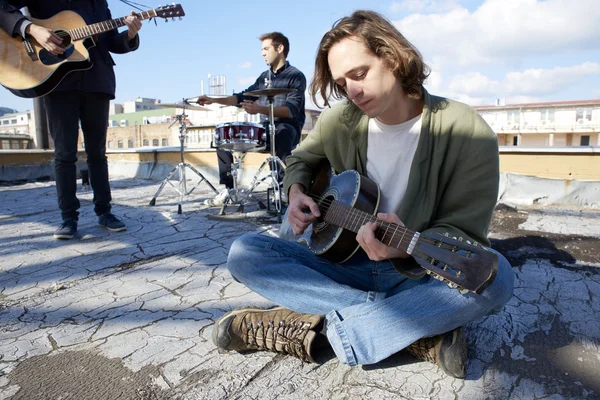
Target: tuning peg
(460, 239)
(447, 234)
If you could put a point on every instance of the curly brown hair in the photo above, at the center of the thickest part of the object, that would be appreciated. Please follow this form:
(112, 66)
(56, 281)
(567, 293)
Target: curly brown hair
(383, 40)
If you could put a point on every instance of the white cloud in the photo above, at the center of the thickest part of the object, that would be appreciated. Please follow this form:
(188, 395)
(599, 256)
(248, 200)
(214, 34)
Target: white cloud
(245, 65)
(504, 31)
(424, 5)
(531, 82)
(247, 81)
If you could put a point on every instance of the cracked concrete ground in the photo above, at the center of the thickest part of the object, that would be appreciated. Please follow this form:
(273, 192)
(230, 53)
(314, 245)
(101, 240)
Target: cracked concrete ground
(129, 315)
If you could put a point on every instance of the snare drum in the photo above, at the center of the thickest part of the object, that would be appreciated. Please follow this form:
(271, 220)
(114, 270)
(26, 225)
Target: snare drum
(240, 136)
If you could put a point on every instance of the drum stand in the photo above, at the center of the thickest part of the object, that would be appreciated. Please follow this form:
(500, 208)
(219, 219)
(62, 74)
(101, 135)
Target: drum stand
(180, 169)
(237, 195)
(275, 164)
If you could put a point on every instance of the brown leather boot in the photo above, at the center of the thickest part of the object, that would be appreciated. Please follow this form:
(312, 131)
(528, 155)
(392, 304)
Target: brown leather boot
(448, 351)
(278, 329)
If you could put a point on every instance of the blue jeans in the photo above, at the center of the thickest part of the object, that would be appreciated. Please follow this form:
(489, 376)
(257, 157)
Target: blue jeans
(372, 311)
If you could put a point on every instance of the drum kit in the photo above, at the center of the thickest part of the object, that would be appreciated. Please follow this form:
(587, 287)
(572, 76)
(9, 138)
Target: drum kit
(241, 137)
(238, 138)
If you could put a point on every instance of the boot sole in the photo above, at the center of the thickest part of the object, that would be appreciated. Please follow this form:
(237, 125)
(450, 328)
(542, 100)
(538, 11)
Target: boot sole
(114, 229)
(63, 236)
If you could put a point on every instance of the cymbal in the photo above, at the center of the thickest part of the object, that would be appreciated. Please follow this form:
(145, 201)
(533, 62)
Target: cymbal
(269, 92)
(183, 105)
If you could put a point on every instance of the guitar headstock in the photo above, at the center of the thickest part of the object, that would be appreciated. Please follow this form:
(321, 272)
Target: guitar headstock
(461, 264)
(172, 11)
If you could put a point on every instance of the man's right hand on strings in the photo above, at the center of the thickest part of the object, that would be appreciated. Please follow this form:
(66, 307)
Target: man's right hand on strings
(46, 38)
(299, 203)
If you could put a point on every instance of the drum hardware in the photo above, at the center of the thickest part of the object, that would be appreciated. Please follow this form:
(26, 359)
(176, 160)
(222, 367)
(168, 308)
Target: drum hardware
(180, 168)
(275, 163)
(185, 105)
(237, 195)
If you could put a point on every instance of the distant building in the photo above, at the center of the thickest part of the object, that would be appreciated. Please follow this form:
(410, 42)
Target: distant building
(115, 109)
(559, 123)
(140, 104)
(17, 130)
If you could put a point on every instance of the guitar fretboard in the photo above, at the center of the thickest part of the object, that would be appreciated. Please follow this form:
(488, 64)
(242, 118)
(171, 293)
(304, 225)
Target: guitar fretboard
(105, 26)
(344, 216)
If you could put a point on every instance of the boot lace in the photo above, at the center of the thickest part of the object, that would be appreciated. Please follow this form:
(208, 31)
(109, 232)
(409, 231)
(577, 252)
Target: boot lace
(282, 337)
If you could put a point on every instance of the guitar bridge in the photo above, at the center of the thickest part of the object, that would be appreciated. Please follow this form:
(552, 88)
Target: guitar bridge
(29, 49)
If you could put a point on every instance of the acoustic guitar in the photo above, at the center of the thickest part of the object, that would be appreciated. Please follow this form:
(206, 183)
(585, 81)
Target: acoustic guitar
(349, 200)
(28, 70)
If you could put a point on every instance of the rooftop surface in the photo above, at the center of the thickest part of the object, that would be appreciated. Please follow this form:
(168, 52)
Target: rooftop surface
(129, 315)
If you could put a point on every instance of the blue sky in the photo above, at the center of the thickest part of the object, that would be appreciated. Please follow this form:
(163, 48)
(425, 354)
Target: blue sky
(516, 50)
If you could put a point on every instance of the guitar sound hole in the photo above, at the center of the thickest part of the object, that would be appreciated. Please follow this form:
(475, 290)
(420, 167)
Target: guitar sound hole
(50, 59)
(66, 38)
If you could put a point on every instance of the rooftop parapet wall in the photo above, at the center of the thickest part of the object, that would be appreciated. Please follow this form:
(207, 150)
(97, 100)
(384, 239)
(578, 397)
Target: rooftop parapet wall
(529, 175)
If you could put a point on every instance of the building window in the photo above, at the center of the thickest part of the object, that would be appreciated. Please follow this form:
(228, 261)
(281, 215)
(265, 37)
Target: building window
(145, 142)
(585, 140)
(547, 116)
(13, 121)
(14, 144)
(130, 144)
(165, 142)
(583, 115)
(515, 140)
(120, 144)
(6, 144)
(154, 142)
(110, 144)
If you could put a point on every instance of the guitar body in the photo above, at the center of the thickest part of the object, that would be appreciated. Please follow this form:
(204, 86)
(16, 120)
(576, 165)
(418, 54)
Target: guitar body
(347, 201)
(28, 78)
(350, 188)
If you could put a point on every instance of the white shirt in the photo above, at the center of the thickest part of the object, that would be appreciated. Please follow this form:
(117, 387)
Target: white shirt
(390, 152)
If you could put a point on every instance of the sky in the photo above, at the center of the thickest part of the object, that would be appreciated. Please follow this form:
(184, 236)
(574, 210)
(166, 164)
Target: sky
(478, 50)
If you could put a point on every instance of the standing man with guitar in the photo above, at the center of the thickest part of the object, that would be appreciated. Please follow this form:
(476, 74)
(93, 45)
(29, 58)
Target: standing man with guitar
(82, 97)
(436, 163)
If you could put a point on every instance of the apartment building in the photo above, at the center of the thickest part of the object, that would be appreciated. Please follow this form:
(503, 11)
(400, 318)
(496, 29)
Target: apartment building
(17, 130)
(560, 123)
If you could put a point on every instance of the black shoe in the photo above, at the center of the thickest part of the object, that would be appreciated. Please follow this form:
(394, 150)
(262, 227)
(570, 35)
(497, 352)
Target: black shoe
(110, 222)
(66, 230)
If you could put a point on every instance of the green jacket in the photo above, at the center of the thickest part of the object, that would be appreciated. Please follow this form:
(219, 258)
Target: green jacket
(454, 177)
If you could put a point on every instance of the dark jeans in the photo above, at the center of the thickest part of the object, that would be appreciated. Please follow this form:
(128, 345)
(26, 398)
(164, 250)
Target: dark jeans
(286, 139)
(65, 111)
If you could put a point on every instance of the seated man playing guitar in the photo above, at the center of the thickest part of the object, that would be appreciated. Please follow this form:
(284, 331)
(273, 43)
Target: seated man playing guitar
(436, 164)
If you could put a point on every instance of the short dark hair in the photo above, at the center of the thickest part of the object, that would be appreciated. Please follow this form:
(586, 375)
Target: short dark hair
(277, 38)
(383, 40)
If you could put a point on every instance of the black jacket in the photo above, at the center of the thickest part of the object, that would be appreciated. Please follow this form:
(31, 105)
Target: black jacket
(101, 77)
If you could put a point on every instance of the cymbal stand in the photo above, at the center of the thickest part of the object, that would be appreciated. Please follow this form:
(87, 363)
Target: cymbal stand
(237, 195)
(180, 168)
(275, 164)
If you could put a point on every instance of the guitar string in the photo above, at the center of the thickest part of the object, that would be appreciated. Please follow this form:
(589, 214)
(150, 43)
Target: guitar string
(328, 203)
(357, 213)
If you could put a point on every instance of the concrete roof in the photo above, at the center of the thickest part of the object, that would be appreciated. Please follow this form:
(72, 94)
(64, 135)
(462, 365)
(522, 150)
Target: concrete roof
(129, 315)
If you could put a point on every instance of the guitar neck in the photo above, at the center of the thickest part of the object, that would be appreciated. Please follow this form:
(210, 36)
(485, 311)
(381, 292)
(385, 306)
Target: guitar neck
(394, 235)
(105, 26)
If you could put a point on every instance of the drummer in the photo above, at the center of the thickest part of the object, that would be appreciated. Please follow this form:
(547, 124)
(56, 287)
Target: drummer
(288, 109)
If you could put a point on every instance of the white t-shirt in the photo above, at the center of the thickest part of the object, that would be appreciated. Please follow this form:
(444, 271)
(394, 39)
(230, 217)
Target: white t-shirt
(390, 152)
